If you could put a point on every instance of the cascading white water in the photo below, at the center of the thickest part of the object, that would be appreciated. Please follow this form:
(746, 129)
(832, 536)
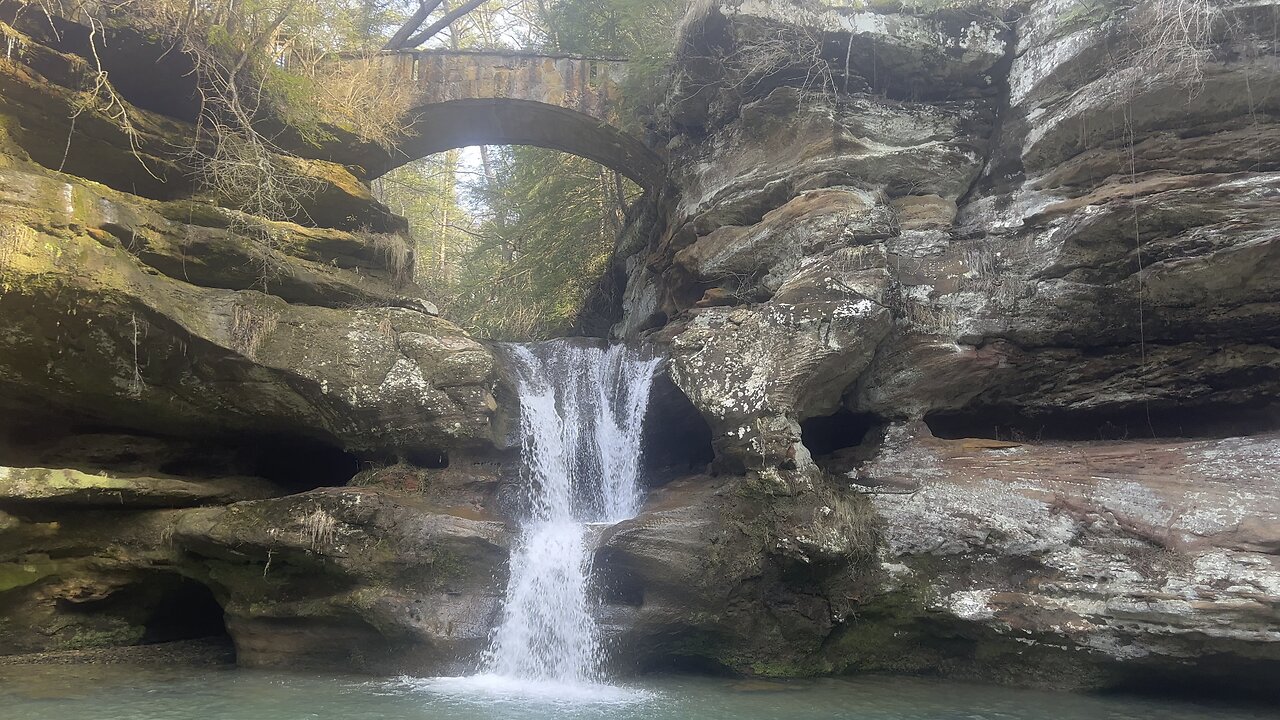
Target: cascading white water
(582, 412)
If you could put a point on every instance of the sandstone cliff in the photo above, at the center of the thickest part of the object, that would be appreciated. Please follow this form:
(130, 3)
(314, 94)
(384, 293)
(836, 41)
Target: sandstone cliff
(982, 313)
(172, 370)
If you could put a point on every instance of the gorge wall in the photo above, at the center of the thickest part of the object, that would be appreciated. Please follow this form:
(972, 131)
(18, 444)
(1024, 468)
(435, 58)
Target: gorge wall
(982, 313)
(977, 314)
(179, 382)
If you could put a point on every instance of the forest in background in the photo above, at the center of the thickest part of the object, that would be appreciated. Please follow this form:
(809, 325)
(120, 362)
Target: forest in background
(508, 241)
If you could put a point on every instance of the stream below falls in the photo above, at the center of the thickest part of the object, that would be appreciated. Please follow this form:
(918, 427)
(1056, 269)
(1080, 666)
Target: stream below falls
(118, 692)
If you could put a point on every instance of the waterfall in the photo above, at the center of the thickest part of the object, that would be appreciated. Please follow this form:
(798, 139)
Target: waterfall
(582, 411)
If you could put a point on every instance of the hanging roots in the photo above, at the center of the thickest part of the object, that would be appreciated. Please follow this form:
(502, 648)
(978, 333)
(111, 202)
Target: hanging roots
(250, 326)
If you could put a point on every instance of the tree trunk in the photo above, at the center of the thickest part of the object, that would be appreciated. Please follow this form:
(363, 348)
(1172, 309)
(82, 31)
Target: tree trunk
(442, 23)
(425, 8)
(499, 213)
(552, 30)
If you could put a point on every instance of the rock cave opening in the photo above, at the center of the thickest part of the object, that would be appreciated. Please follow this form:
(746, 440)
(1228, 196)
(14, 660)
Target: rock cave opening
(1136, 422)
(161, 607)
(844, 429)
(187, 611)
(292, 462)
(677, 439)
(1216, 677)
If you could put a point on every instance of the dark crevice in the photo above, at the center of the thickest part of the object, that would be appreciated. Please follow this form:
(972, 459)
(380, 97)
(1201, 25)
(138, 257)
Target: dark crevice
(999, 165)
(292, 462)
(151, 75)
(1156, 420)
(428, 458)
(843, 429)
(166, 606)
(420, 458)
(1220, 681)
(187, 612)
(300, 463)
(677, 440)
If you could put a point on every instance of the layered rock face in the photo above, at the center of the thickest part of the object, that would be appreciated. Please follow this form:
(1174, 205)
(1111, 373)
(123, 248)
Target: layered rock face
(982, 314)
(350, 577)
(171, 369)
(164, 312)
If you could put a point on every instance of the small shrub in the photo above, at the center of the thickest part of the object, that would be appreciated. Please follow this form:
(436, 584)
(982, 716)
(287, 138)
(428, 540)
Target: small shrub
(363, 96)
(396, 252)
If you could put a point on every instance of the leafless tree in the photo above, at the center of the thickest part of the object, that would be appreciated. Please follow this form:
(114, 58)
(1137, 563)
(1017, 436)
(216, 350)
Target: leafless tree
(409, 36)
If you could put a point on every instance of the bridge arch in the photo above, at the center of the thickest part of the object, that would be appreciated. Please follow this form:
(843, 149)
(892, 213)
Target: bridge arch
(562, 102)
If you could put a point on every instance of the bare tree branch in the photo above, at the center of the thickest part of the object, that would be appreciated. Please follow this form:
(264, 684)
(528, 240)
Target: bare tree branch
(425, 8)
(441, 24)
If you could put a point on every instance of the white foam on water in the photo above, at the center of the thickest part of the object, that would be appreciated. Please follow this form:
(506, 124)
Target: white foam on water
(487, 688)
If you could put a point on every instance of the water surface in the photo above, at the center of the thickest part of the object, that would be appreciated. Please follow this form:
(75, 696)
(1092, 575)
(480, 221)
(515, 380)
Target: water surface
(115, 692)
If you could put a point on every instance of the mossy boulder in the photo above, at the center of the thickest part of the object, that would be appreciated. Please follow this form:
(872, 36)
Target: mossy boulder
(209, 246)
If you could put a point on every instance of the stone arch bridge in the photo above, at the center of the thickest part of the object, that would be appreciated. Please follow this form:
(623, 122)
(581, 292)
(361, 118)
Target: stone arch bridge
(563, 102)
